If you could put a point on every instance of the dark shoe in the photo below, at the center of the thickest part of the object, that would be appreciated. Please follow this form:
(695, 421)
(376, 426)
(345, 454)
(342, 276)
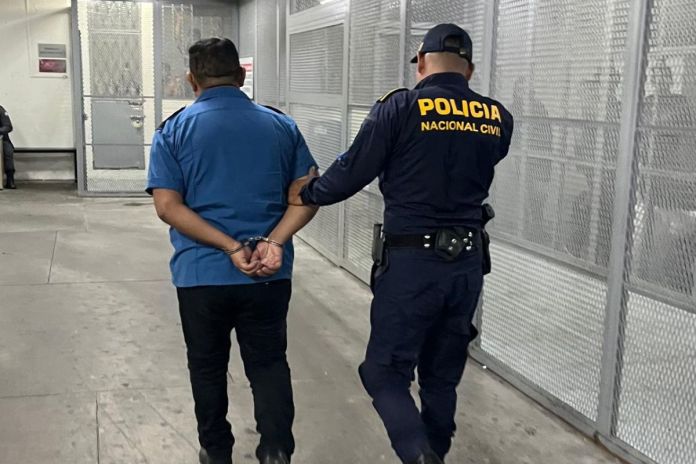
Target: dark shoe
(274, 457)
(203, 458)
(9, 182)
(428, 458)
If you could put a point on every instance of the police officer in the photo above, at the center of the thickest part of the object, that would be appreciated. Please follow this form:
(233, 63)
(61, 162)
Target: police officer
(434, 149)
(7, 149)
(219, 173)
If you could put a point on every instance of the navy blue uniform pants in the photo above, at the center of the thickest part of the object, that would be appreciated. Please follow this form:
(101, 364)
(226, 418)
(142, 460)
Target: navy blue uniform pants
(258, 314)
(8, 157)
(421, 318)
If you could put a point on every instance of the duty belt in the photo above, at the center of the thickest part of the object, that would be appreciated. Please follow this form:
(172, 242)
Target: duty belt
(449, 241)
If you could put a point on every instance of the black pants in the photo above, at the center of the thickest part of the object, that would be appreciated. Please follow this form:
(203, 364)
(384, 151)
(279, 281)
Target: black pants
(258, 314)
(8, 157)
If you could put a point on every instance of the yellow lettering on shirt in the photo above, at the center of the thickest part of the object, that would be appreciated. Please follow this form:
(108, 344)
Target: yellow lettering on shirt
(425, 105)
(475, 109)
(495, 113)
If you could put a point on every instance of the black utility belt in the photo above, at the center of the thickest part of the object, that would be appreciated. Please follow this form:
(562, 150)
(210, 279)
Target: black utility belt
(448, 243)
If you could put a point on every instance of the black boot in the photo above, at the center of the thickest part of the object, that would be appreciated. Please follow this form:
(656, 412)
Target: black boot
(203, 458)
(428, 458)
(9, 182)
(274, 457)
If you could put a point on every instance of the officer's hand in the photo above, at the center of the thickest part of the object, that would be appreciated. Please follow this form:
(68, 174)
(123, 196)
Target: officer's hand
(245, 262)
(271, 258)
(294, 193)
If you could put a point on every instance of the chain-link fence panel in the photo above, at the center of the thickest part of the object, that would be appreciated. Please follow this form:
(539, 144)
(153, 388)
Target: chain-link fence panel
(656, 398)
(422, 15)
(375, 33)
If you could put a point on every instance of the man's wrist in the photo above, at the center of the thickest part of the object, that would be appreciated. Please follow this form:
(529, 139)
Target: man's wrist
(231, 245)
(276, 240)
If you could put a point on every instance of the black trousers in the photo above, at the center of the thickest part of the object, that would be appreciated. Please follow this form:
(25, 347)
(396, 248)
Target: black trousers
(258, 314)
(8, 157)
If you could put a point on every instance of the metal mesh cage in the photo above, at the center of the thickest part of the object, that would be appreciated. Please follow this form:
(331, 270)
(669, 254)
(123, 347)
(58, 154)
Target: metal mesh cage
(565, 95)
(375, 30)
(247, 28)
(282, 52)
(300, 5)
(424, 14)
(657, 403)
(267, 72)
(183, 24)
(558, 69)
(322, 130)
(547, 326)
(114, 54)
(362, 211)
(316, 61)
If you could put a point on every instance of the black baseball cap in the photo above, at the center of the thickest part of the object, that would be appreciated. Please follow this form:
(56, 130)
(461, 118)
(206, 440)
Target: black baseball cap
(447, 38)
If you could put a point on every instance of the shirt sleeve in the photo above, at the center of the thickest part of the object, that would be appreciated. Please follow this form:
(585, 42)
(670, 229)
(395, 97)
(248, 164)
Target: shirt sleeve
(364, 160)
(165, 171)
(302, 159)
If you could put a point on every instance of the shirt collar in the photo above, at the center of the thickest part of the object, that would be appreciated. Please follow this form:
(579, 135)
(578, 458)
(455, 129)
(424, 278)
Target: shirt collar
(445, 78)
(222, 91)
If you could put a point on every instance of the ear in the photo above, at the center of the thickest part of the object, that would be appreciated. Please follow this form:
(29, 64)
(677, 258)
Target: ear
(242, 76)
(470, 71)
(420, 66)
(192, 81)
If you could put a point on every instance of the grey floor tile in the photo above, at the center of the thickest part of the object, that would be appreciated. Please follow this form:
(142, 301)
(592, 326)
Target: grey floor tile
(25, 257)
(109, 255)
(62, 338)
(58, 429)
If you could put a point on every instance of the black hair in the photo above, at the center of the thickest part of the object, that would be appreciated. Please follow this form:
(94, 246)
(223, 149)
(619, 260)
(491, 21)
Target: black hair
(214, 59)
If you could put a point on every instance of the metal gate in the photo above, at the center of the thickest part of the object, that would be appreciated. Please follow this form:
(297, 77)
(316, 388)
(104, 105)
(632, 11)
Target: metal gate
(135, 57)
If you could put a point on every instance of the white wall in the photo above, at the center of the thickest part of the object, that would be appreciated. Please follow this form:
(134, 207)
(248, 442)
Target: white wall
(40, 107)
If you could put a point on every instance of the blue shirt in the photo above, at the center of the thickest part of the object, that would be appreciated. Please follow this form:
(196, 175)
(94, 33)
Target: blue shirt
(232, 161)
(434, 149)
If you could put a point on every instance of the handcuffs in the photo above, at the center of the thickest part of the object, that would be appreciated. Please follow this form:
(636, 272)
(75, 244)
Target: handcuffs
(249, 241)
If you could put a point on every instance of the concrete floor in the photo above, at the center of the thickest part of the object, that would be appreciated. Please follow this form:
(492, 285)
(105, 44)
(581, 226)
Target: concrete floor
(92, 364)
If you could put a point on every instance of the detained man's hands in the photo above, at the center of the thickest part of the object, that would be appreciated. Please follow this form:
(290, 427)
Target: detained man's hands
(270, 257)
(246, 262)
(294, 197)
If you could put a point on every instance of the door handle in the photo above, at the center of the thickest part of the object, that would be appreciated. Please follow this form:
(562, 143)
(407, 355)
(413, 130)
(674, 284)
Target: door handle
(137, 121)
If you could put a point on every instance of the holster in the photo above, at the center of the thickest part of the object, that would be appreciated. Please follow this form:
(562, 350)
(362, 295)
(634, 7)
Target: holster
(487, 213)
(378, 248)
(379, 254)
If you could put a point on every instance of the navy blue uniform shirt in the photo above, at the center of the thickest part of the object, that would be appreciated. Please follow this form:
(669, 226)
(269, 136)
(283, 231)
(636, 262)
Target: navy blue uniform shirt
(232, 161)
(434, 149)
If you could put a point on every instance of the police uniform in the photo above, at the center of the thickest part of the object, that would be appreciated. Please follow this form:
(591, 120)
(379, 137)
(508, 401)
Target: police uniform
(232, 161)
(7, 148)
(434, 149)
